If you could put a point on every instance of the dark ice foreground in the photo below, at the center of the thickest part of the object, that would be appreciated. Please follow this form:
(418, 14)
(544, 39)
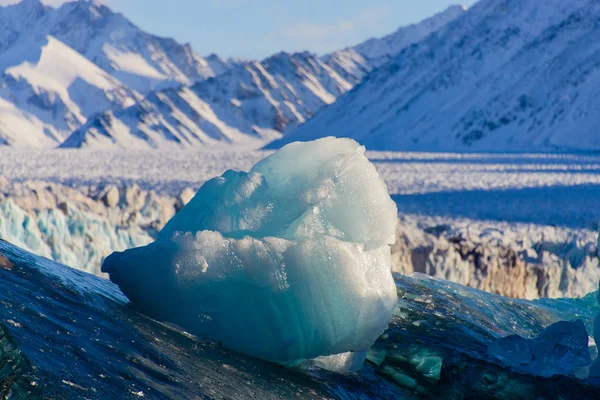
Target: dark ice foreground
(65, 334)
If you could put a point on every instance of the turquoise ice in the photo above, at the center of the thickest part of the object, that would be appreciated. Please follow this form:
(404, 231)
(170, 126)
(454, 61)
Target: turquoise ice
(288, 262)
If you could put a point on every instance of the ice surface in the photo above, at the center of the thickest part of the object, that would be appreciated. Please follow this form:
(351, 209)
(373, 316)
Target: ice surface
(435, 347)
(287, 262)
(561, 349)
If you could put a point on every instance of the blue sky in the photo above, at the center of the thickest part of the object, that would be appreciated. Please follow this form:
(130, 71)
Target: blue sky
(258, 28)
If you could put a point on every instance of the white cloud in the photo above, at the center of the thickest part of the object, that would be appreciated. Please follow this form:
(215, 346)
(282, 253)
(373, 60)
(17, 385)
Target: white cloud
(369, 17)
(325, 36)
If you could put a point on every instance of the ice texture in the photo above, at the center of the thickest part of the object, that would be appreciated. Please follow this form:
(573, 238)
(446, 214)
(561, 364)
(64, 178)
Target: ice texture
(435, 347)
(288, 262)
(561, 349)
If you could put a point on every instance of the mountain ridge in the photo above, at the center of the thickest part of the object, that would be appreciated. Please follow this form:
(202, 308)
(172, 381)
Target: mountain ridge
(361, 59)
(37, 111)
(506, 76)
(161, 93)
(251, 102)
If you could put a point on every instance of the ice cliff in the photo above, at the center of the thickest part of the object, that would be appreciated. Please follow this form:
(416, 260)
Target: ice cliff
(80, 227)
(295, 253)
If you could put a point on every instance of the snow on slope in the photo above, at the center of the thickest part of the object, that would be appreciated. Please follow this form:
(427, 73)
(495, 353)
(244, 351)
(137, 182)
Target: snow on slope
(354, 63)
(511, 75)
(251, 104)
(141, 60)
(47, 89)
(248, 103)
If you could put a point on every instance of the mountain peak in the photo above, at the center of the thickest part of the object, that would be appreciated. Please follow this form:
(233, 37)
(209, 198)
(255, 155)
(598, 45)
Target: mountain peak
(29, 6)
(284, 56)
(94, 8)
(354, 63)
(455, 8)
(30, 3)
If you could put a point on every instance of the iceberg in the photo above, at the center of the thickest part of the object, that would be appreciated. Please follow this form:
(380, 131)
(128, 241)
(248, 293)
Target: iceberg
(287, 262)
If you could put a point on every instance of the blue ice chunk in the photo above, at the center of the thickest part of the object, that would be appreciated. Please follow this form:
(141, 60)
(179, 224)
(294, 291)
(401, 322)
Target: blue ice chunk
(288, 262)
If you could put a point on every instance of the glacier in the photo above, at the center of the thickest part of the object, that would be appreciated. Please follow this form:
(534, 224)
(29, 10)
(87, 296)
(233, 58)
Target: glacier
(539, 249)
(294, 253)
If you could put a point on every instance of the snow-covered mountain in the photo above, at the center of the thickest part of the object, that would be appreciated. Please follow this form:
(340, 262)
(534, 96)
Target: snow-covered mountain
(88, 75)
(60, 66)
(47, 90)
(516, 75)
(142, 61)
(354, 63)
(249, 105)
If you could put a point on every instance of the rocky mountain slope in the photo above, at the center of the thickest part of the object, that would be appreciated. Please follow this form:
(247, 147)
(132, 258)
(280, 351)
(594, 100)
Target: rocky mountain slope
(249, 105)
(507, 75)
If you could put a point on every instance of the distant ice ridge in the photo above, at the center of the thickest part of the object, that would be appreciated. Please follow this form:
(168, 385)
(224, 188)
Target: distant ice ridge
(70, 236)
(521, 235)
(80, 227)
(287, 262)
(514, 260)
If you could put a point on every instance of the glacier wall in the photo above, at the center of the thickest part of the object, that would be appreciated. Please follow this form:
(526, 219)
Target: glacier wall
(519, 261)
(80, 226)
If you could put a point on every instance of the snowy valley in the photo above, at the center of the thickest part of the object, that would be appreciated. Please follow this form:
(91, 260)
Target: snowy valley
(154, 205)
